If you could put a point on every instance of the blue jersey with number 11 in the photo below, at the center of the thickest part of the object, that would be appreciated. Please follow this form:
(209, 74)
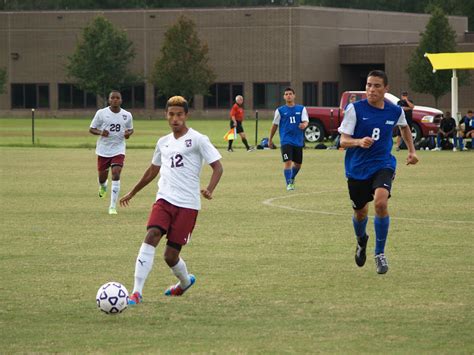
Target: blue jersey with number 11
(363, 120)
(288, 118)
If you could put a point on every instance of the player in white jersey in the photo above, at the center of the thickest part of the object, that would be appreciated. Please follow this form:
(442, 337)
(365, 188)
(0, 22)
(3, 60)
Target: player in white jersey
(178, 158)
(113, 124)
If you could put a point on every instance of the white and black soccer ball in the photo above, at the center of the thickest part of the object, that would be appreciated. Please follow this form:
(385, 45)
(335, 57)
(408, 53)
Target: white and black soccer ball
(112, 298)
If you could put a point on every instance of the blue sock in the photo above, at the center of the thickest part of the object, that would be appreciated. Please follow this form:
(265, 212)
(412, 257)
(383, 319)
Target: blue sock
(381, 232)
(294, 172)
(287, 173)
(359, 226)
(438, 141)
(461, 143)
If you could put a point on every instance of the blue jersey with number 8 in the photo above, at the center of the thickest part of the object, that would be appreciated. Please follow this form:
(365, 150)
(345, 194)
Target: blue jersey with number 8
(363, 120)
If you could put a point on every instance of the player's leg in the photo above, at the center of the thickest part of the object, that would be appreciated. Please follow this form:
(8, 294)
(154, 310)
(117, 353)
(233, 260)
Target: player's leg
(240, 131)
(157, 226)
(229, 147)
(360, 193)
(297, 163)
(144, 262)
(382, 185)
(116, 168)
(179, 235)
(287, 157)
(103, 165)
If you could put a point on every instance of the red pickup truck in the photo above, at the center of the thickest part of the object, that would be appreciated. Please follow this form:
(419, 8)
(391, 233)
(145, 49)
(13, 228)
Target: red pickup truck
(324, 121)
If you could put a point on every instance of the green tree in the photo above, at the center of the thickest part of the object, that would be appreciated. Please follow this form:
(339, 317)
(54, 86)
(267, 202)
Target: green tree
(3, 79)
(438, 37)
(100, 61)
(183, 68)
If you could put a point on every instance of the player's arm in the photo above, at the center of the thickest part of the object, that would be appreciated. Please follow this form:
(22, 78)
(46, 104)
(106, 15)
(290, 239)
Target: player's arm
(99, 132)
(304, 119)
(405, 131)
(272, 133)
(149, 176)
(276, 122)
(347, 141)
(217, 171)
(128, 133)
(347, 129)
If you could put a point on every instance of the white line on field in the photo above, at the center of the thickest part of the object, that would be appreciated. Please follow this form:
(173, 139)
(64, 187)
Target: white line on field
(270, 202)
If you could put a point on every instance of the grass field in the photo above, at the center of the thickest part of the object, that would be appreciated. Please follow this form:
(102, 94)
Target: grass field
(275, 270)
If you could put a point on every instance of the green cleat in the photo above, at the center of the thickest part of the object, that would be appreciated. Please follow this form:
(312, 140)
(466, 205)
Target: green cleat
(112, 210)
(102, 191)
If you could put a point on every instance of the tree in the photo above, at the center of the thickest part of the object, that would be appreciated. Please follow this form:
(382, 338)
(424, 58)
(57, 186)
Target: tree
(3, 79)
(183, 68)
(438, 37)
(100, 61)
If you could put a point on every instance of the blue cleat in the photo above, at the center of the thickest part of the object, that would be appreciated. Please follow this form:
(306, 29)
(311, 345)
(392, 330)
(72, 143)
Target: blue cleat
(176, 290)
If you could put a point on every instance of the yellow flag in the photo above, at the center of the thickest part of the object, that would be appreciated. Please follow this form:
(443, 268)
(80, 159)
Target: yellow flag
(231, 135)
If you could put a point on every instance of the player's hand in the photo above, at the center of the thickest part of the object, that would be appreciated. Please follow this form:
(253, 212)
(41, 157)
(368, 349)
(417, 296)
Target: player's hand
(127, 133)
(366, 142)
(270, 144)
(126, 199)
(105, 133)
(206, 194)
(412, 159)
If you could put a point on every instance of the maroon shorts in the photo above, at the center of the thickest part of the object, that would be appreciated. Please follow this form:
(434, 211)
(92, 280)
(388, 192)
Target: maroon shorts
(176, 222)
(103, 163)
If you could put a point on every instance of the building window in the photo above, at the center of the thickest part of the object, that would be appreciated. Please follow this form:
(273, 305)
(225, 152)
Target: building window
(310, 94)
(133, 96)
(70, 96)
(30, 95)
(331, 94)
(268, 95)
(222, 95)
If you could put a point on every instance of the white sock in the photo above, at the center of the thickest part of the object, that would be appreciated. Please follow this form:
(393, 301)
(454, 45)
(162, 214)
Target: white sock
(115, 193)
(181, 272)
(143, 266)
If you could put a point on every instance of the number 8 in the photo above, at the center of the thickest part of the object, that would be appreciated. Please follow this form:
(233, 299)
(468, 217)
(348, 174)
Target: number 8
(376, 134)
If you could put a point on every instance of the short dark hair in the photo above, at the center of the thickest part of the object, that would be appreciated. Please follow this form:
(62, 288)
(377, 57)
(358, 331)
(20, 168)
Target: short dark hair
(379, 74)
(289, 89)
(404, 93)
(177, 101)
(117, 91)
(469, 111)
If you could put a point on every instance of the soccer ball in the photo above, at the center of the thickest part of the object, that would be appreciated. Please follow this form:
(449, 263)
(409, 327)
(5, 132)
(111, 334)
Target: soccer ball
(112, 298)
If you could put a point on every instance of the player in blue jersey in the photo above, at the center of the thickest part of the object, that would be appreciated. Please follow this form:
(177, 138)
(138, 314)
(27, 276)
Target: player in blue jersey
(366, 132)
(292, 120)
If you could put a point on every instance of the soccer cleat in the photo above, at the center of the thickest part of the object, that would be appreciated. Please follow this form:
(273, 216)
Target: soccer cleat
(464, 149)
(102, 191)
(381, 263)
(135, 298)
(360, 255)
(251, 149)
(436, 149)
(290, 187)
(230, 150)
(112, 210)
(455, 149)
(176, 290)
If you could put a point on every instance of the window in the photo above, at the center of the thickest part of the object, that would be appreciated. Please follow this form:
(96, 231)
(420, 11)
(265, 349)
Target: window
(70, 96)
(310, 94)
(133, 96)
(268, 95)
(330, 94)
(222, 95)
(30, 95)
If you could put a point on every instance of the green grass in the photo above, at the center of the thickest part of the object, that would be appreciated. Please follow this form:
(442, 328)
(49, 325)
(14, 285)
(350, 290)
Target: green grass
(275, 270)
(74, 133)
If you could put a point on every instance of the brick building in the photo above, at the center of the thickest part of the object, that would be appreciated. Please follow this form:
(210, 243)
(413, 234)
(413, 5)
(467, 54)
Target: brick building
(253, 51)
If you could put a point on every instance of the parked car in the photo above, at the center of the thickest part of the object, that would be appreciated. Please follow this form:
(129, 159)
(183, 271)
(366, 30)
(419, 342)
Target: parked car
(324, 121)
